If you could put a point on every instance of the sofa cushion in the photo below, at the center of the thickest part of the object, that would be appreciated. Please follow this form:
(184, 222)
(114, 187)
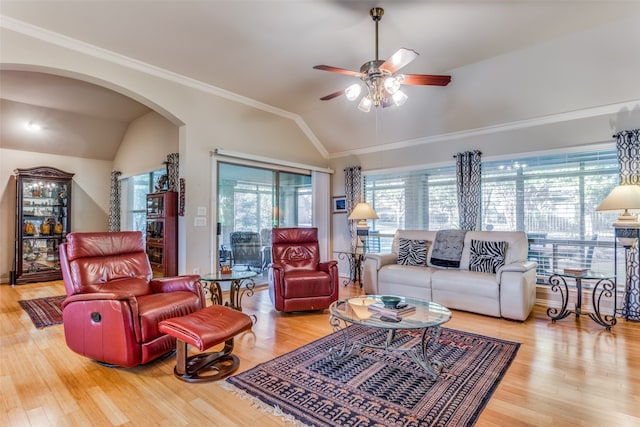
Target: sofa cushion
(405, 274)
(306, 284)
(463, 282)
(413, 252)
(485, 256)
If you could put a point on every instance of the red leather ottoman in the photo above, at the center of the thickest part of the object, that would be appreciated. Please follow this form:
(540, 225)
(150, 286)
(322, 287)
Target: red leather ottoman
(203, 329)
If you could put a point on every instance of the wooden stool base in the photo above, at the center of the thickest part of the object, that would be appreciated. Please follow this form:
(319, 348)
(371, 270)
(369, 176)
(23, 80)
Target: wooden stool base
(205, 367)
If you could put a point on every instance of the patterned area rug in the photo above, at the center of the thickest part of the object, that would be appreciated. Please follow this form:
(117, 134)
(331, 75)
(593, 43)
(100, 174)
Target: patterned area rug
(44, 311)
(378, 388)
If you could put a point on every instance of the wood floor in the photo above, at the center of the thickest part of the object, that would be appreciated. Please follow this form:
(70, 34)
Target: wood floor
(567, 373)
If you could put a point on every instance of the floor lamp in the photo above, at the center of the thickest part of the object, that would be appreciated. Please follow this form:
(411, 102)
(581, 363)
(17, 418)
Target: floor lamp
(627, 229)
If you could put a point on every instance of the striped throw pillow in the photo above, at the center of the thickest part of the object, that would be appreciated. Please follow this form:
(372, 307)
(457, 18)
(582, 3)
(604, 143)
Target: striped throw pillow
(413, 252)
(486, 257)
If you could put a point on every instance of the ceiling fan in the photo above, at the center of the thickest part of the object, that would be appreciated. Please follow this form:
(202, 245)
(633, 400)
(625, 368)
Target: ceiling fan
(381, 79)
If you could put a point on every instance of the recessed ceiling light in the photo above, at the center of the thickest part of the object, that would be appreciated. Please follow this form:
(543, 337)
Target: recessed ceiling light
(34, 127)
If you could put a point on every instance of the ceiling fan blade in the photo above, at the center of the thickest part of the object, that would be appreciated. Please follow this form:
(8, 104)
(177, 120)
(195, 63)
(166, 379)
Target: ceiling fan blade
(425, 79)
(332, 95)
(399, 59)
(337, 70)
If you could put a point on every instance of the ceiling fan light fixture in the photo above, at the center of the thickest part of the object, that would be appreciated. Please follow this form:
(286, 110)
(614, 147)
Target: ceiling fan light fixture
(392, 84)
(365, 104)
(399, 98)
(33, 127)
(353, 91)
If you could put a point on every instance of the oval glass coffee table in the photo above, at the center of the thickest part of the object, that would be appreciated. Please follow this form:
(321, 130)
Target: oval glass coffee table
(428, 316)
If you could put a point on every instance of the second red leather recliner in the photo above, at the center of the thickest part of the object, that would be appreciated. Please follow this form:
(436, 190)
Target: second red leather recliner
(298, 280)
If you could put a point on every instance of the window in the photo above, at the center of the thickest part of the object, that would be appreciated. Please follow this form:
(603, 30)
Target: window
(256, 199)
(556, 195)
(554, 199)
(424, 199)
(550, 197)
(413, 200)
(138, 186)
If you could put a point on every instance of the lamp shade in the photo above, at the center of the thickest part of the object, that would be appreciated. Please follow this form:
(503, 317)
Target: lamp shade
(363, 210)
(622, 198)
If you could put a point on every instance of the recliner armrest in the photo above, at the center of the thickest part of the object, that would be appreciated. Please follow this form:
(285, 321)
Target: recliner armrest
(173, 284)
(104, 302)
(326, 266)
(97, 296)
(186, 283)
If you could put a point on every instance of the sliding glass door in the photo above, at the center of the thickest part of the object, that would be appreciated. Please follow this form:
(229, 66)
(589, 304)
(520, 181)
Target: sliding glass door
(252, 201)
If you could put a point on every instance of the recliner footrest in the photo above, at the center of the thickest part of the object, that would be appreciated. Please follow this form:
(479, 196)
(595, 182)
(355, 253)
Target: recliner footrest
(203, 329)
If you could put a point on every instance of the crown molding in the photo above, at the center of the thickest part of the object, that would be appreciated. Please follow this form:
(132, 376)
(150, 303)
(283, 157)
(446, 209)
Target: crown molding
(521, 124)
(125, 61)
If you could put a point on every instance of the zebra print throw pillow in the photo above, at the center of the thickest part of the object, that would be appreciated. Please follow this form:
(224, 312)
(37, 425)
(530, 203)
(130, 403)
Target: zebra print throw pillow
(486, 257)
(413, 252)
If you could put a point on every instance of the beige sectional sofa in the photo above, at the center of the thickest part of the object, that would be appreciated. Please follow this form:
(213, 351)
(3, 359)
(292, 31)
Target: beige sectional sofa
(510, 292)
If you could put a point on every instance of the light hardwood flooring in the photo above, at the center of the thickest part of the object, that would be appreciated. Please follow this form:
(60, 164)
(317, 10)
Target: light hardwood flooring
(566, 373)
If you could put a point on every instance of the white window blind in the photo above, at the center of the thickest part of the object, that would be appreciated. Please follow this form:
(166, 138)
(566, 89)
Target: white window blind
(553, 198)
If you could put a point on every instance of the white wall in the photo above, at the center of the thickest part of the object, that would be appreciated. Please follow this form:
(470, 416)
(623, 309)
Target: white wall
(146, 144)
(207, 121)
(89, 195)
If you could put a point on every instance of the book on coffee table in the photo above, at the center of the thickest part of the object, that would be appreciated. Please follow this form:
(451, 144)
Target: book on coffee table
(391, 312)
(576, 271)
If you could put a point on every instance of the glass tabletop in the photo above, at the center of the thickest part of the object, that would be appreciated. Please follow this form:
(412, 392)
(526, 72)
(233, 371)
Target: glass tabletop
(234, 275)
(356, 310)
(577, 273)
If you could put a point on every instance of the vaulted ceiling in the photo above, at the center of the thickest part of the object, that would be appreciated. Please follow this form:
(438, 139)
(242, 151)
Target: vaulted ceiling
(510, 62)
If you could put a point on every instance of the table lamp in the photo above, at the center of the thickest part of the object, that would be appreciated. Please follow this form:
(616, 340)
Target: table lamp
(622, 198)
(362, 212)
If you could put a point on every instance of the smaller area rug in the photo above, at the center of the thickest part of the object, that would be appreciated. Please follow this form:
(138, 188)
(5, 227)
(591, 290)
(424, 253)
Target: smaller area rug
(44, 311)
(381, 388)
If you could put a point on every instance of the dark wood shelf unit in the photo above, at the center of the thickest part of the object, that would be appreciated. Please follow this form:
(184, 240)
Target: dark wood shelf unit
(43, 220)
(162, 233)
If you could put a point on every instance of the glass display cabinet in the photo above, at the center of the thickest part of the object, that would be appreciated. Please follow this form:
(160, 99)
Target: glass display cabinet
(162, 229)
(43, 220)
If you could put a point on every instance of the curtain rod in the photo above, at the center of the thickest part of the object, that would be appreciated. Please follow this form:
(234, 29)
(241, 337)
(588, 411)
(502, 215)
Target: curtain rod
(472, 151)
(268, 160)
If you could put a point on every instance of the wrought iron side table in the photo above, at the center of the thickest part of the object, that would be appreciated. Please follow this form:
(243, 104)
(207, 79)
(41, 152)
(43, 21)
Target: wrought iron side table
(605, 288)
(237, 279)
(356, 260)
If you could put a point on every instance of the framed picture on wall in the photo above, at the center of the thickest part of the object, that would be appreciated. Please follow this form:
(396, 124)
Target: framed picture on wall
(340, 204)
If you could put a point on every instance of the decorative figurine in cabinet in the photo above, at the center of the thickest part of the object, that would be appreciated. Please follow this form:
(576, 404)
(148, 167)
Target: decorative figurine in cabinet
(43, 219)
(162, 233)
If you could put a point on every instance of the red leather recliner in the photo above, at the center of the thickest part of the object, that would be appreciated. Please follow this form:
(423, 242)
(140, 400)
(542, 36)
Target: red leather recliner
(113, 305)
(298, 281)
